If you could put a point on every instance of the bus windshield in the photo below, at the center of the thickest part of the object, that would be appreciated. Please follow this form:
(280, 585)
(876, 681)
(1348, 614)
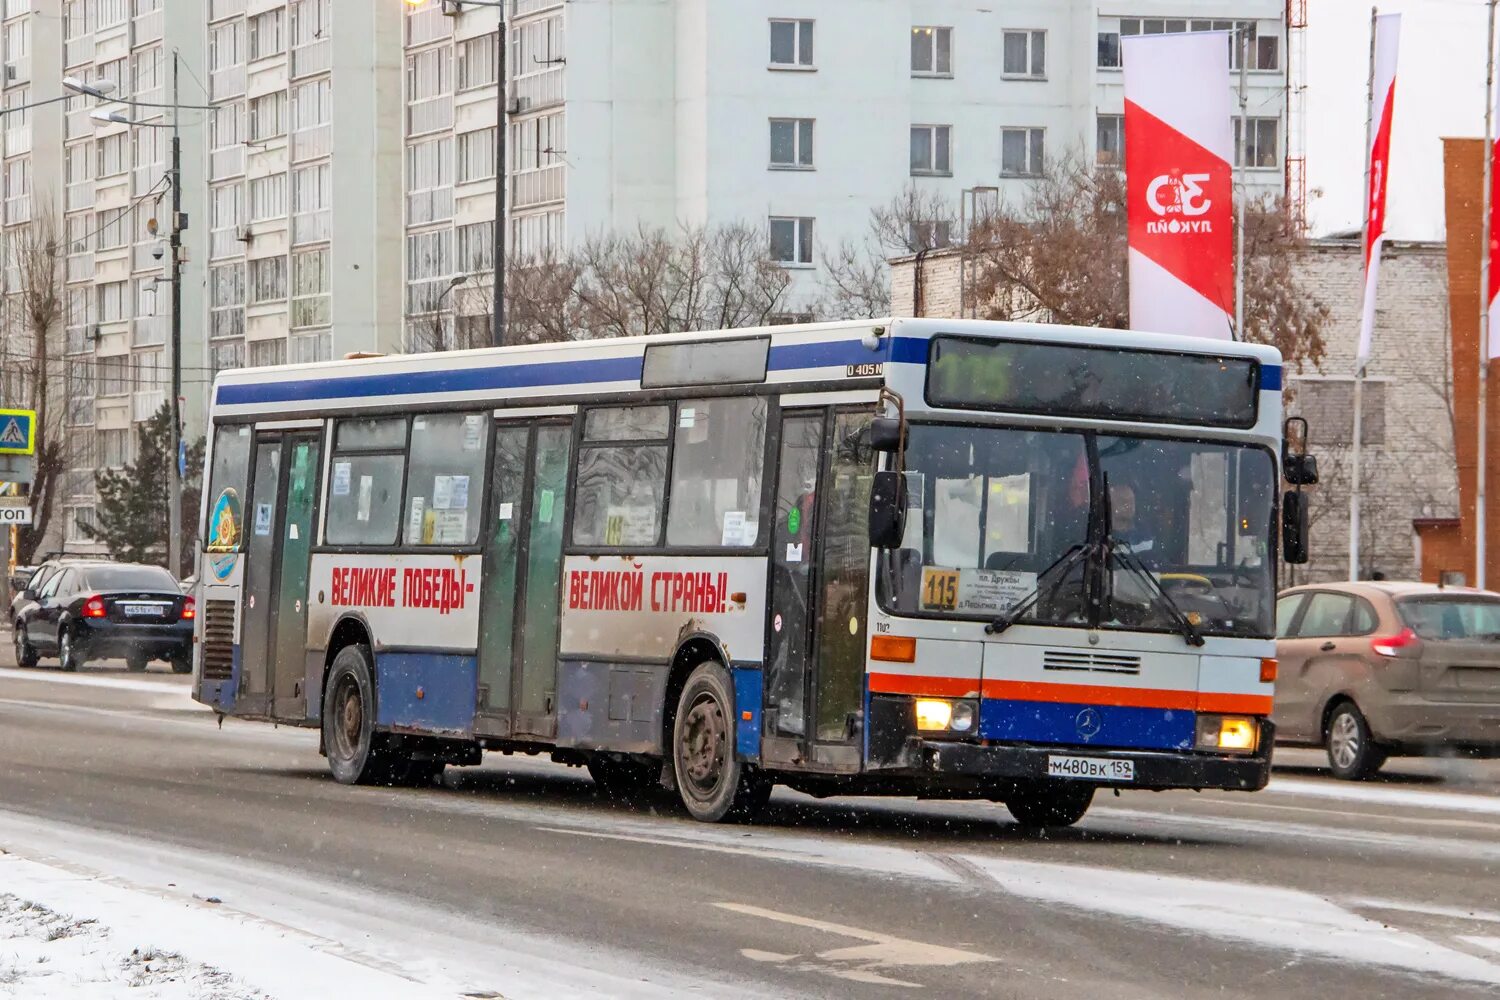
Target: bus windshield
(995, 514)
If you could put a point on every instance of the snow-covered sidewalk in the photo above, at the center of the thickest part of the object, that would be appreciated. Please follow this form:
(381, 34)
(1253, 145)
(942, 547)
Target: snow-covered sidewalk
(73, 933)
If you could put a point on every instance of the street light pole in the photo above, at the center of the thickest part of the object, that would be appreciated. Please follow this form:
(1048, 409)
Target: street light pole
(174, 502)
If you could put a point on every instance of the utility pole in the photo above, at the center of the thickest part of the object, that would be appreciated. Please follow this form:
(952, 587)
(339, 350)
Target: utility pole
(1239, 225)
(174, 501)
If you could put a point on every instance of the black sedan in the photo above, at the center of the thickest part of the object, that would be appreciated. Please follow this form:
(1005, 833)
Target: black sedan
(92, 611)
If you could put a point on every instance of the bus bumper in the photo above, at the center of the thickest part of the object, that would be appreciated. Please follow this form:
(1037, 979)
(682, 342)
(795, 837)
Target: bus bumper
(1153, 769)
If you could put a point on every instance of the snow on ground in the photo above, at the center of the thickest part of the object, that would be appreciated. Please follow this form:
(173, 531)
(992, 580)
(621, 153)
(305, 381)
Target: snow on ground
(45, 954)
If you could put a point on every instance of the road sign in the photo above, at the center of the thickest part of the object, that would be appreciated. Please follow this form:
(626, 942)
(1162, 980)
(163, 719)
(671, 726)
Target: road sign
(17, 432)
(14, 515)
(17, 468)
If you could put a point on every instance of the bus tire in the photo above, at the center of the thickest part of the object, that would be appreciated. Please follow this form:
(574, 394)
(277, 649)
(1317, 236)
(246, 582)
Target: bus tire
(1051, 803)
(713, 783)
(356, 753)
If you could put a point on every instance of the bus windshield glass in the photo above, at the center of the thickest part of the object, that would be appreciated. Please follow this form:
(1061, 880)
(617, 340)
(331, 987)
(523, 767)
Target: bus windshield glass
(995, 515)
(1075, 380)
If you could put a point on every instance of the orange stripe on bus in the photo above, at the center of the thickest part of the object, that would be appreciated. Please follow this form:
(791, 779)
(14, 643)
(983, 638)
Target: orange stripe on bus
(1235, 704)
(939, 687)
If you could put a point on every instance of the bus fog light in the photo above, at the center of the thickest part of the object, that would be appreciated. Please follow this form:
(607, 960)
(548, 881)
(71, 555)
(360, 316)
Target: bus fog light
(963, 717)
(1227, 732)
(934, 714)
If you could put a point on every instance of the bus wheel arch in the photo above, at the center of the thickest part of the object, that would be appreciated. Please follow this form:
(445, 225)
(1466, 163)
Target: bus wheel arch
(349, 630)
(712, 781)
(692, 650)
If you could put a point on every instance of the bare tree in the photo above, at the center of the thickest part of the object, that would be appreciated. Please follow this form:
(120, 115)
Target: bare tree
(856, 276)
(33, 363)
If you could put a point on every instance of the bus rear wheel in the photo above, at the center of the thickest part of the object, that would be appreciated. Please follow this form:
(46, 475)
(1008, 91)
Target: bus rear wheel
(1050, 803)
(714, 784)
(357, 755)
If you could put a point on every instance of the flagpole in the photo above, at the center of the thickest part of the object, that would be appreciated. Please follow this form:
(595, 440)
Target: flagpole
(1480, 519)
(1242, 154)
(1359, 362)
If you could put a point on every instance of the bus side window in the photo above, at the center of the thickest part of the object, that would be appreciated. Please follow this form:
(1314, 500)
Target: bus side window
(227, 479)
(444, 483)
(364, 491)
(622, 476)
(718, 464)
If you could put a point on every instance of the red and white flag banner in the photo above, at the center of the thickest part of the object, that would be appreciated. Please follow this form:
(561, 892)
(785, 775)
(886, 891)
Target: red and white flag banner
(1492, 294)
(1382, 109)
(1179, 144)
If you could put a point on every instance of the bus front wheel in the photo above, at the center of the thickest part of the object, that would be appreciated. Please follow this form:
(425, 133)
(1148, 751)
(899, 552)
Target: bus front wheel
(714, 784)
(1050, 803)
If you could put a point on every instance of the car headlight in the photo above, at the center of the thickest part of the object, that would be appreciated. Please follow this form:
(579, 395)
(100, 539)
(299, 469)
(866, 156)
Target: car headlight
(1232, 733)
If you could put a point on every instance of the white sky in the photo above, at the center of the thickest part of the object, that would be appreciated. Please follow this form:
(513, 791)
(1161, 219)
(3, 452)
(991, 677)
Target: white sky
(1439, 92)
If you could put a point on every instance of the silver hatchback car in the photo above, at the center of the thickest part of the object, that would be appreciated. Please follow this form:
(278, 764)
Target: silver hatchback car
(1372, 670)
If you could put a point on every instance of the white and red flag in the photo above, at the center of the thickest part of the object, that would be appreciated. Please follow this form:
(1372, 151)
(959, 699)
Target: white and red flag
(1492, 294)
(1382, 109)
(1179, 144)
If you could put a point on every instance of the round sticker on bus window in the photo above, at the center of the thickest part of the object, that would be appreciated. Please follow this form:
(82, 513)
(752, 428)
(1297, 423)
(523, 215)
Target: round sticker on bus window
(224, 522)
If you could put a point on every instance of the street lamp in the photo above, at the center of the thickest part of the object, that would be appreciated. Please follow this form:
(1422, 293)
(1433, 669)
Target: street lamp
(103, 90)
(453, 8)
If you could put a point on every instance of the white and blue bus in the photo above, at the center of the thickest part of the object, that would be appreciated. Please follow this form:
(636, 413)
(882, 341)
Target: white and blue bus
(911, 557)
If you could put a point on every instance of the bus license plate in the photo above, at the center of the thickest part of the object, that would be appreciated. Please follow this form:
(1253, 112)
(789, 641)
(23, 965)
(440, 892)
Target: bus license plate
(1090, 768)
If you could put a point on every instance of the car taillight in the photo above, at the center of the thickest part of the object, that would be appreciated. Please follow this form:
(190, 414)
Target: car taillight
(94, 608)
(1395, 645)
(189, 608)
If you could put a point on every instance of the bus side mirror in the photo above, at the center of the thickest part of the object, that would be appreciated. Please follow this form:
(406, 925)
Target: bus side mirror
(885, 434)
(1300, 470)
(1294, 527)
(887, 510)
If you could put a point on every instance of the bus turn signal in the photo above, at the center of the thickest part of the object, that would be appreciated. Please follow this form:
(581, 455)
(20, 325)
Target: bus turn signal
(893, 648)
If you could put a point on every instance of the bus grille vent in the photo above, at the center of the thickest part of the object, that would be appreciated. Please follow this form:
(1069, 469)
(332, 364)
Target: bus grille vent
(218, 640)
(1095, 663)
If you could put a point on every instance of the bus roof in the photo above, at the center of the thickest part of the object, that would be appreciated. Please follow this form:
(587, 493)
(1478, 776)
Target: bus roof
(795, 355)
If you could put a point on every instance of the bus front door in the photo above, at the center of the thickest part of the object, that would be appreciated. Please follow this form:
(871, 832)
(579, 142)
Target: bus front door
(520, 603)
(819, 588)
(281, 521)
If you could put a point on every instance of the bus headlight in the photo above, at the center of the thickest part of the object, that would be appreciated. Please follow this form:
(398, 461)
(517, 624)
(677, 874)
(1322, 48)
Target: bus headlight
(934, 714)
(963, 717)
(1234, 733)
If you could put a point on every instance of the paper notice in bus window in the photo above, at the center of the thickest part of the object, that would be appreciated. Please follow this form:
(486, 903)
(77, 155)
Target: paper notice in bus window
(544, 505)
(442, 492)
(366, 490)
(993, 591)
(262, 519)
(614, 529)
(340, 479)
(734, 528)
(793, 552)
(460, 499)
(450, 527)
(507, 511)
(939, 589)
(473, 432)
(414, 520)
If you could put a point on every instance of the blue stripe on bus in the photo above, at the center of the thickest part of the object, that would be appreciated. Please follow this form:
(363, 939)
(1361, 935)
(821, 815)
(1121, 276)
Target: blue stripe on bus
(426, 692)
(1270, 378)
(1108, 725)
(747, 701)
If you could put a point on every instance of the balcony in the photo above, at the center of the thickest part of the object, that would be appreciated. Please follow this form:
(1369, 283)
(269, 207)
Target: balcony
(311, 143)
(18, 140)
(427, 25)
(80, 195)
(226, 83)
(81, 267)
(226, 322)
(227, 162)
(225, 243)
(79, 51)
(423, 207)
(539, 90)
(147, 28)
(538, 187)
(312, 227)
(220, 9)
(149, 331)
(143, 257)
(524, 7)
(315, 57)
(80, 125)
(18, 210)
(434, 114)
(144, 405)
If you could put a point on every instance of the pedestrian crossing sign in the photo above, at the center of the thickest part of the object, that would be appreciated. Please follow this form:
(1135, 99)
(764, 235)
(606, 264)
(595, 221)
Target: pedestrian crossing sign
(17, 432)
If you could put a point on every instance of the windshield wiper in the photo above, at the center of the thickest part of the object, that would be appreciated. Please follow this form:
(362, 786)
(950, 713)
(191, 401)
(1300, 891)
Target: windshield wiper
(1067, 561)
(1122, 551)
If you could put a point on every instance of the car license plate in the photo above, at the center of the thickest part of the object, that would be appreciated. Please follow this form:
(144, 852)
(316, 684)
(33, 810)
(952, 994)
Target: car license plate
(142, 610)
(1090, 768)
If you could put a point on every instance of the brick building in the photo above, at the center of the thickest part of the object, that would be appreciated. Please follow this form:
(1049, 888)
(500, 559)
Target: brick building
(1409, 475)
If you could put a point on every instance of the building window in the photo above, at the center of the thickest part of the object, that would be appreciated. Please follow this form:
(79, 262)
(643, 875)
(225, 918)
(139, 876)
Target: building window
(114, 376)
(112, 12)
(115, 72)
(429, 90)
(1025, 55)
(792, 143)
(113, 154)
(112, 228)
(114, 448)
(80, 522)
(312, 219)
(929, 234)
(1021, 152)
(268, 116)
(931, 51)
(227, 354)
(429, 181)
(267, 34)
(226, 301)
(1109, 147)
(478, 63)
(265, 353)
(429, 265)
(791, 44)
(310, 348)
(148, 66)
(1265, 50)
(310, 302)
(1260, 144)
(791, 240)
(476, 247)
(267, 278)
(312, 112)
(268, 197)
(1328, 406)
(112, 302)
(476, 155)
(931, 147)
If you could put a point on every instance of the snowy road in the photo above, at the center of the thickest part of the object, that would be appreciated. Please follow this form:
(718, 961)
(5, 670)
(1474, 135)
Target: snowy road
(518, 880)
